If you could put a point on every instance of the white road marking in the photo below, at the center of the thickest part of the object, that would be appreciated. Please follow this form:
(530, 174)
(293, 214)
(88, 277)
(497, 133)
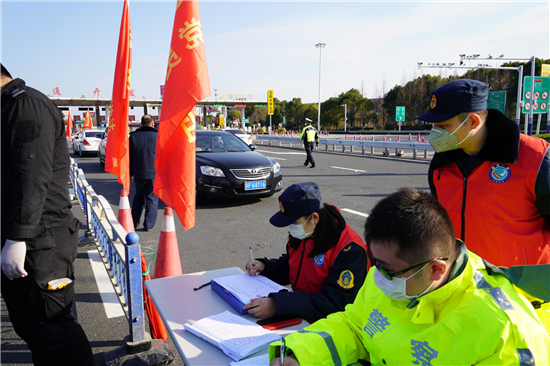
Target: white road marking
(355, 212)
(353, 170)
(281, 153)
(276, 158)
(113, 308)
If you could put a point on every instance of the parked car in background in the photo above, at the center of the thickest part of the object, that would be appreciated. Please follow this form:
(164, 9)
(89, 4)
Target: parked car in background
(228, 167)
(88, 142)
(240, 134)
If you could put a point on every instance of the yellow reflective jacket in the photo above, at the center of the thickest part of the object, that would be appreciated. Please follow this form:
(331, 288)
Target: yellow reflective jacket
(474, 319)
(310, 134)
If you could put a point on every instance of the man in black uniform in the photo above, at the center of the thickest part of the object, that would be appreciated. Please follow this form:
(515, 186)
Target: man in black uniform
(39, 233)
(142, 167)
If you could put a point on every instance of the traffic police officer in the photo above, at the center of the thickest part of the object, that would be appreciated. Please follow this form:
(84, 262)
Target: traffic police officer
(39, 232)
(309, 137)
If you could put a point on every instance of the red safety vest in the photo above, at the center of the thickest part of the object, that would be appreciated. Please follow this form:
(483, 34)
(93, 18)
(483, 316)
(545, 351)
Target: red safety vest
(312, 272)
(501, 222)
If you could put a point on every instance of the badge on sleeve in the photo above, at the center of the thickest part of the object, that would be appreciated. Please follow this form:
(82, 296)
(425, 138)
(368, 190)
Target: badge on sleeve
(346, 279)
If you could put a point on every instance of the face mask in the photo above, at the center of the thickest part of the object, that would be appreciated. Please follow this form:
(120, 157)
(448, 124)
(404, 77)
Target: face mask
(396, 288)
(297, 230)
(443, 140)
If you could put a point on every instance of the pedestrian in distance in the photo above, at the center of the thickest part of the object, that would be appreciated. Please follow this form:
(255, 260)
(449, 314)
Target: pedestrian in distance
(493, 180)
(142, 168)
(310, 139)
(426, 301)
(39, 232)
(325, 260)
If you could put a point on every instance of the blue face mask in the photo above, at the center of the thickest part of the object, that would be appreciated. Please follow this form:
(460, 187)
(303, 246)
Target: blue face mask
(443, 140)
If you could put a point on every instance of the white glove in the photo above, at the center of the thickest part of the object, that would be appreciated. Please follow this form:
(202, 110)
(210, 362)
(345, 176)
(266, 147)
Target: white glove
(13, 259)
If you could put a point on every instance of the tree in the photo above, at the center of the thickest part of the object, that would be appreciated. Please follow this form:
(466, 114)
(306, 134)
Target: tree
(234, 113)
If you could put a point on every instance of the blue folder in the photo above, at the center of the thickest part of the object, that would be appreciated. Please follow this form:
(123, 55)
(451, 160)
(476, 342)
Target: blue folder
(228, 297)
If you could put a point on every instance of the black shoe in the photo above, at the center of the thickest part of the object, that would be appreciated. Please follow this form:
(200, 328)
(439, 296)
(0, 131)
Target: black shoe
(313, 166)
(305, 164)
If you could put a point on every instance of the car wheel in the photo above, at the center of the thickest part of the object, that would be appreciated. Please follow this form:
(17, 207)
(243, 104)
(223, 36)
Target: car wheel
(200, 198)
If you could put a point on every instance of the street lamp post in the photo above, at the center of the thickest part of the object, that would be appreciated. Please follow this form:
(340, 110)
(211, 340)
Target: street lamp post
(320, 46)
(345, 115)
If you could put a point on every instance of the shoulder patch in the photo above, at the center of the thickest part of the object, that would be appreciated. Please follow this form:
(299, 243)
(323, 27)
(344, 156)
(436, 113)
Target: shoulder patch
(346, 279)
(17, 93)
(347, 248)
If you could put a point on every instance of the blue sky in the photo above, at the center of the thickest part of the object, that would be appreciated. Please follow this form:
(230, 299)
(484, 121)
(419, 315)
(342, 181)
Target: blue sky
(253, 46)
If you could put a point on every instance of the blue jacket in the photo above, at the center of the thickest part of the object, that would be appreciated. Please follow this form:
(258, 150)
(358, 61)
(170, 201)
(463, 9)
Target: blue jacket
(142, 153)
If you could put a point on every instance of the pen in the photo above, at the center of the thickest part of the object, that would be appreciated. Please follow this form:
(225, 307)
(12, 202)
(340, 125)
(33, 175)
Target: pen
(252, 256)
(201, 286)
(282, 351)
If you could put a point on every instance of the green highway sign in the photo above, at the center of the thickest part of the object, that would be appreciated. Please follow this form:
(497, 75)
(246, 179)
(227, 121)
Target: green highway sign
(245, 120)
(540, 95)
(497, 100)
(400, 113)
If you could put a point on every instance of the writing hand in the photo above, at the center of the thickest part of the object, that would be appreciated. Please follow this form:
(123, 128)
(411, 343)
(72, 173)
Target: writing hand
(254, 270)
(13, 259)
(262, 308)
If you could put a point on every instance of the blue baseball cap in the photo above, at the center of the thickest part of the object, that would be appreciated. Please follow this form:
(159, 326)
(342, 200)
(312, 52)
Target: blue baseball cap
(300, 199)
(451, 99)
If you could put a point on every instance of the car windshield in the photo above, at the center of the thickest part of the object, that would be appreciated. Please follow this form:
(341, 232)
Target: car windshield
(220, 143)
(238, 132)
(96, 134)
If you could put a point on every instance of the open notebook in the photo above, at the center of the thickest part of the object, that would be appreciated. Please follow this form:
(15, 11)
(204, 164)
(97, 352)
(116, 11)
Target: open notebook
(239, 289)
(234, 335)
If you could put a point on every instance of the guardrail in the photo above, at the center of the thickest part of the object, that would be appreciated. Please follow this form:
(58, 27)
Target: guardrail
(119, 251)
(363, 144)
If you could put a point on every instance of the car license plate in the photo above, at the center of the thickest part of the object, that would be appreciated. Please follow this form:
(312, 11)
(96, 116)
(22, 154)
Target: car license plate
(249, 186)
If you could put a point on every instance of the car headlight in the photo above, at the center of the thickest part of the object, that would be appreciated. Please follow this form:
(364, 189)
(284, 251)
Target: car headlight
(211, 171)
(276, 168)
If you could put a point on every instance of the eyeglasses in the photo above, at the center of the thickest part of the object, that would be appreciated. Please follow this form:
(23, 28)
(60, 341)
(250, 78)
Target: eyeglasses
(389, 275)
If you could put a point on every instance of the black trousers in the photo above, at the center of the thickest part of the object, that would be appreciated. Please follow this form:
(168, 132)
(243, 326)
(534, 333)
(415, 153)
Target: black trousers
(309, 150)
(145, 197)
(43, 318)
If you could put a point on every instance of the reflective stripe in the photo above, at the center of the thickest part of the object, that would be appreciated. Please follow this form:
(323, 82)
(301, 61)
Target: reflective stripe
(330, 345)
(496, 292)
(526, 357)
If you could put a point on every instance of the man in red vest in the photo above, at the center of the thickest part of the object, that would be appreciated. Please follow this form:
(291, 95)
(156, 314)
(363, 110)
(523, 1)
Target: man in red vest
(493, 181)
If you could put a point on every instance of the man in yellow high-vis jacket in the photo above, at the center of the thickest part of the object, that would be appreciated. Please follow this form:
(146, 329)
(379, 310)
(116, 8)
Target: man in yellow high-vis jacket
(310, 137)
(427, 300)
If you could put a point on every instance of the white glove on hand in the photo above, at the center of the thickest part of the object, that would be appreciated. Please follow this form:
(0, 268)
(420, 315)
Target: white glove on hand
(13, 259)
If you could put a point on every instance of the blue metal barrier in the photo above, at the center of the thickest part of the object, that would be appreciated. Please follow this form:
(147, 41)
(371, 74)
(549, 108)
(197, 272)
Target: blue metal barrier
(120, 252)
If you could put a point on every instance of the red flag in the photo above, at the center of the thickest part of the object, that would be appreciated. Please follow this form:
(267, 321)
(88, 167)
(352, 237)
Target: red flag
(186, 84)
(117, 156)
(87, 121)
(69, 125)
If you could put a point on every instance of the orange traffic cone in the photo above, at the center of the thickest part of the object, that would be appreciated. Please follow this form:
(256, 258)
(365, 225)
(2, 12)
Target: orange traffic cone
(384, 137)
(372, 138)
(422, 138)
(124, 213)
(409, 137)
(168, 261)
(418, 138)
(398, 138)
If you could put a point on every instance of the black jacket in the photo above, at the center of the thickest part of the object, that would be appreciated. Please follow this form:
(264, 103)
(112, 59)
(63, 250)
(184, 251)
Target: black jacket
(35, 164)
(142, 153)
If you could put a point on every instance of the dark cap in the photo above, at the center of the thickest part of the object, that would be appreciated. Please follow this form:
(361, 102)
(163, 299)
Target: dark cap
(300, 199)
(451, 99)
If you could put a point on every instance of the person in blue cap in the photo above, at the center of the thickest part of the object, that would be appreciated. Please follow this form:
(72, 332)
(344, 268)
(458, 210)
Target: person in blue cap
(325, 260)
(493, 181)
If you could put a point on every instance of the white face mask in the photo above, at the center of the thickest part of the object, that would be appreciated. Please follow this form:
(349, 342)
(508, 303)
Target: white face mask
(297, 230)
(443, 140)
(396, 288)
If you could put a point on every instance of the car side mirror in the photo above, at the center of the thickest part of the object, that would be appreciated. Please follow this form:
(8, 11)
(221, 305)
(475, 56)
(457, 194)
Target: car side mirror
(253, 146)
